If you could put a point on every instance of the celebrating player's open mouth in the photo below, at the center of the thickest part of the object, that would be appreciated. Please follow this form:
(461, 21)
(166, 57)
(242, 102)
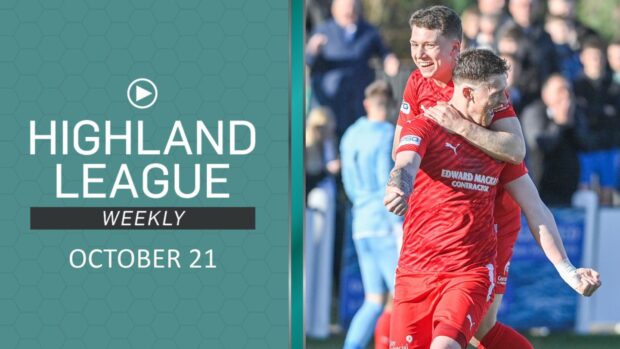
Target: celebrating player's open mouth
(490, 112)
(425, 67)
(432, 53)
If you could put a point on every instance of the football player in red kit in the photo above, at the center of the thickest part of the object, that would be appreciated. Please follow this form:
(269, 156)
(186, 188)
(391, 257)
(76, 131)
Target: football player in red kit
(445, 278)
(435, 43)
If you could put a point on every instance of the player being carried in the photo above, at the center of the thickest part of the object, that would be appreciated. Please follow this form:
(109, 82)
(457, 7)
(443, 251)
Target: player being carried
(445, 278)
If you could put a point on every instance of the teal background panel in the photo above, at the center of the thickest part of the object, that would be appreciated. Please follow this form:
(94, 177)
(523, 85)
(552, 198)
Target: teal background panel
(297, 174)
(211, 60)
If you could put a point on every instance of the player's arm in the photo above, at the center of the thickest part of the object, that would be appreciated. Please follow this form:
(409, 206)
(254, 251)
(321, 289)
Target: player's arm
(408, 108)
(400, 184)
(397, 131)
(503, 141)
(544, 229)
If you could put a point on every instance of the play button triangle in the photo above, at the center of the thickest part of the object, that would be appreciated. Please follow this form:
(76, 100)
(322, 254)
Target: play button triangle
(141, 93)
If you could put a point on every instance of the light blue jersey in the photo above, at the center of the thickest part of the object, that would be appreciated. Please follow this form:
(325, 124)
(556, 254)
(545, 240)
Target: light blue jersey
(366, 154)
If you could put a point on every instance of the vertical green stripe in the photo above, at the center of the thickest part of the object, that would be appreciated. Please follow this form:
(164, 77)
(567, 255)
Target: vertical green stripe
(297, 174)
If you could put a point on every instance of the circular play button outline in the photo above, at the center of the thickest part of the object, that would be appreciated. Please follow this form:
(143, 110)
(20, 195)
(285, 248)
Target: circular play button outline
(133, 83)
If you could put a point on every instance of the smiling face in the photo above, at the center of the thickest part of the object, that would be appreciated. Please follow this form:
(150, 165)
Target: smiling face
(486, 98)
(433, 53)
(480, 81)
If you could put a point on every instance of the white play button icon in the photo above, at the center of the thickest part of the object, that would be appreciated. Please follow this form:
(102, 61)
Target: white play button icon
(141, 93)
(141, 89)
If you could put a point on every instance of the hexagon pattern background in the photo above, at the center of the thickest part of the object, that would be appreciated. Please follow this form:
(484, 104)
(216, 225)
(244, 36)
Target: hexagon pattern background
(211, 60)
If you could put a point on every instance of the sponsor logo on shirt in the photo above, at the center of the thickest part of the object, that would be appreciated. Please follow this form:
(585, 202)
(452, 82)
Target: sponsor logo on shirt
(393, 346)
(405, 108)
(502, 279)
(468, 180)
(453, 147)
(407, 140)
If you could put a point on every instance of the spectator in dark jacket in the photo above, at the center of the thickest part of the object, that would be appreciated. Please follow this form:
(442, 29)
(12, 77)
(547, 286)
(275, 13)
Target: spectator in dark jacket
(613, 57)
(495, 8)
(554, 133)
(568, 9)
(593, 91)
(536, 51)
(513, 75)
(470, 20)
(561, 31)
(338, 53)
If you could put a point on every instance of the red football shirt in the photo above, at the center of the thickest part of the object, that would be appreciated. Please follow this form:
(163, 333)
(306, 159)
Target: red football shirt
(421, 91)
(507, 212)
(449, 224)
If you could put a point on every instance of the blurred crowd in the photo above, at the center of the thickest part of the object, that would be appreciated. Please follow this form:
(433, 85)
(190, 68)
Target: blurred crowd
(564, 84)
(565, 87)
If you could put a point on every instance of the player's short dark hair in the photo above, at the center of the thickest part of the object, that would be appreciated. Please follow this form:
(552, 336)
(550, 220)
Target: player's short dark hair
(379, 88)
(441, 18)
(478, 65)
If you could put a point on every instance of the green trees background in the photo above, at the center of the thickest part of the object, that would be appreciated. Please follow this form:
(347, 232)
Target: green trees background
(392, 16)
(601, 15)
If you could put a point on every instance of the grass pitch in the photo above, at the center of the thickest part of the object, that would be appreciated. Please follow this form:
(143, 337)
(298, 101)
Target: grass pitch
(553, 341)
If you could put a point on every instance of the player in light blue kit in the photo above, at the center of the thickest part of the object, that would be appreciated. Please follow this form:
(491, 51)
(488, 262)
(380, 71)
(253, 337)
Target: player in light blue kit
(365, 151)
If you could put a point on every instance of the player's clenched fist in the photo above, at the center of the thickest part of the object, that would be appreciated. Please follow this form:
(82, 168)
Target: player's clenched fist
(395, 201)
(590, 281)
(583, 280)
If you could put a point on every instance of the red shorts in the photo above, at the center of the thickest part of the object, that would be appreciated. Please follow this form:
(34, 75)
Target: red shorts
(427, 305)
(505, 243)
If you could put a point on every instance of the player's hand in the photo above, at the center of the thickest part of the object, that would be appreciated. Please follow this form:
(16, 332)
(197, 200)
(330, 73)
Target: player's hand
(446, 116)
(395, 201)
(315, 43)
(590, 281)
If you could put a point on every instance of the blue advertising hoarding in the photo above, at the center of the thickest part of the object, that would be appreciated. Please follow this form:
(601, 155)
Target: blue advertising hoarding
(536, 296)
